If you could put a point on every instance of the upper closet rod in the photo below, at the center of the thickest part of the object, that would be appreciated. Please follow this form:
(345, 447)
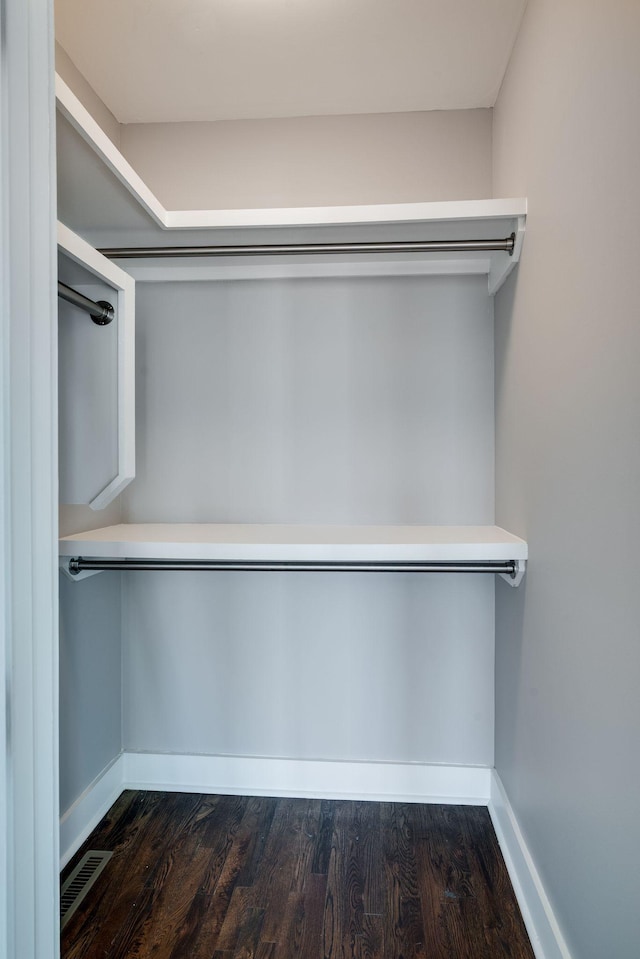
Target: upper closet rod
(100, 311)
(505, 245)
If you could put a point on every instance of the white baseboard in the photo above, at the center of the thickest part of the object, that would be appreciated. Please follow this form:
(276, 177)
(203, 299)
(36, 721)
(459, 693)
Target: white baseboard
(81, 818)
(545, 934)
(326, 779)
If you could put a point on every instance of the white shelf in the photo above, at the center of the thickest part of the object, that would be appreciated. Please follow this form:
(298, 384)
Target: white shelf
(97, 185)
(264, 543)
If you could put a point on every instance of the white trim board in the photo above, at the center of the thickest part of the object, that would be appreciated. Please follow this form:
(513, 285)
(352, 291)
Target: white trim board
(322, 779)
(543, 928)
(29, 897)
(431, 211)
(81, 818)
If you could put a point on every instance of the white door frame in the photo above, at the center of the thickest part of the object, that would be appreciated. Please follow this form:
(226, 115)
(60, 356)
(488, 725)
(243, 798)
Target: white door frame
(28, 486)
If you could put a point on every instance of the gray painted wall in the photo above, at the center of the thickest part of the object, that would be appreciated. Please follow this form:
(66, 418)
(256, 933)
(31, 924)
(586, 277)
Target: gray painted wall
(361, 400)
(302, 161)
(567, 135)
(315, 666)
(330, 401)
(314, 161)
(90, 712)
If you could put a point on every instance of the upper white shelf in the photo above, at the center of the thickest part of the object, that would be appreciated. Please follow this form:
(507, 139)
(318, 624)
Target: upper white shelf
(101, 197)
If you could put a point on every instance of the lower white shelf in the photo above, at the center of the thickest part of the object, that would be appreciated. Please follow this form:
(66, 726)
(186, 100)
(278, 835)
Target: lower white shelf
(195, 546)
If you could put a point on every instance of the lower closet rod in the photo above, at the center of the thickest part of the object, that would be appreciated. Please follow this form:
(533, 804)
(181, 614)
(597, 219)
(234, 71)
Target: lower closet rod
(100, 311)
(79, 565)
(505, 245)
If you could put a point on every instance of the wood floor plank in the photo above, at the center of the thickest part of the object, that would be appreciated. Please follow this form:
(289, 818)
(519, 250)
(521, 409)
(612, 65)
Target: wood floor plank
(442, 845)
(170, 921)
(307, 827)
(249, 937)
(259, 816)
(210, 908)
(370, 858)
(322, 850)
(240, 903)
(229, 877)
(405, 934)
(354, 880)
(301, 930)
(370, 942)
(344, 908)
(504, 929)
(223, 843)
(449, 909)
(280, 873)
(266, 950)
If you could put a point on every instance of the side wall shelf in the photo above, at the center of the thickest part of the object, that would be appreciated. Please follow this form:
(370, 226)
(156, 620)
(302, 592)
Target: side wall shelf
(96, 378)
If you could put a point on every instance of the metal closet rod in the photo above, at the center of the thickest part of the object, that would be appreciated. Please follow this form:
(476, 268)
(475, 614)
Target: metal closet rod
(505, 245)
(101, 312)
(79, 565)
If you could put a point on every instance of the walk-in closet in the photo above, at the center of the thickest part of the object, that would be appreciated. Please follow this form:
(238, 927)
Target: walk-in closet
(338, 402)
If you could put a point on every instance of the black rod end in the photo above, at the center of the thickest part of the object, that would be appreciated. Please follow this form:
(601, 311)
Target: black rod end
(106, 314)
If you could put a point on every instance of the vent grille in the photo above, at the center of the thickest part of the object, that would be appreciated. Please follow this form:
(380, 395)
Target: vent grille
(78, 884)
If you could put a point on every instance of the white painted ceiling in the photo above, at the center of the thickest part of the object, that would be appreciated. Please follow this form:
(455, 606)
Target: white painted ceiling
(171, 60)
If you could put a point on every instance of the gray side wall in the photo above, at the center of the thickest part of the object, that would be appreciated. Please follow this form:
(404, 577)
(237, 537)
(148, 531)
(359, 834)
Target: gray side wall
(567, 135)
(90, 681)
(329, 401)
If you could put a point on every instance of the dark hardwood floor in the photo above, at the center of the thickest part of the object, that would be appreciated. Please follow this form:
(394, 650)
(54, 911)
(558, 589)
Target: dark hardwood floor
(231, 877)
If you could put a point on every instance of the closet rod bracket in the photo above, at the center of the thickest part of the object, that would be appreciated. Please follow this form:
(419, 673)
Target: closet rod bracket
(515, 577)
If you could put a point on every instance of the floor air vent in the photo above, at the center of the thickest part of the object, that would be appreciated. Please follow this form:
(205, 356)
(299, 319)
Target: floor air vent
(78, 884)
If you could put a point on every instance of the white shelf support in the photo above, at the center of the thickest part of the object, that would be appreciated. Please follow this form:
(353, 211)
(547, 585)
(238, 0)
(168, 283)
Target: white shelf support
(501, 266)
(513, 580)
